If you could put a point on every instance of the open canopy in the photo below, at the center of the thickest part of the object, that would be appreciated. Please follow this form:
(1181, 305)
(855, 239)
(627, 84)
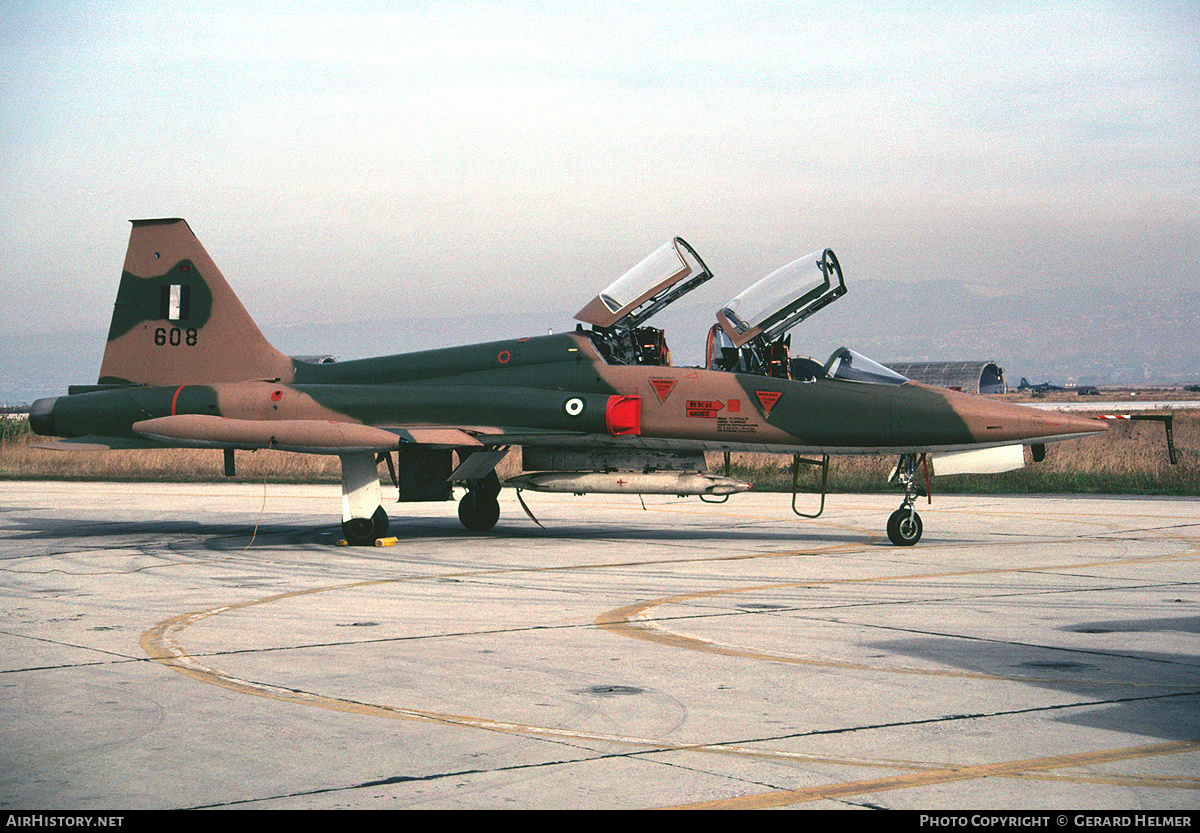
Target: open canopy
(666, 275)
(783, 298)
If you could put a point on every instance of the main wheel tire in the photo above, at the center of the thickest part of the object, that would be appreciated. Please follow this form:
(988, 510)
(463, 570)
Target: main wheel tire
(362, 532)
(904, 527)
(359, 532)
(478, 512)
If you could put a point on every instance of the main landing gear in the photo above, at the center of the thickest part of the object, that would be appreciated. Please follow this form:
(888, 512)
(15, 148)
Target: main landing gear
(364, 520)
(363, 517)
(904, 526)
(479, 508)
(362, 532)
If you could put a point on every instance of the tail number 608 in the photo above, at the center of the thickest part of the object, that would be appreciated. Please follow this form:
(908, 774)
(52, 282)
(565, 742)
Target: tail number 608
(175, 336)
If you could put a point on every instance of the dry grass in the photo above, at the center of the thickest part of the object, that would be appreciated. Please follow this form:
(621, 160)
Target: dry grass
(1130, 459)
(20, 461)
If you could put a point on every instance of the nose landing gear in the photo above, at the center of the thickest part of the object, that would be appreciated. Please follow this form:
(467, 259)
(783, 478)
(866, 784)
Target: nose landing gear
(904, 526)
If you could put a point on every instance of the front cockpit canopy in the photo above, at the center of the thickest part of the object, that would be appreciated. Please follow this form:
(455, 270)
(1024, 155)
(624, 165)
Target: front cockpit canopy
(751, 333)
(783, 298)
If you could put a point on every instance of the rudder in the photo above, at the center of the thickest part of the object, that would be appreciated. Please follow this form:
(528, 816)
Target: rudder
(177, 321)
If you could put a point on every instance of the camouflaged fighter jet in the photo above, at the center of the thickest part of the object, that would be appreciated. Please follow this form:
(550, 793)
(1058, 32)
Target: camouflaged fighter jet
(595, 410)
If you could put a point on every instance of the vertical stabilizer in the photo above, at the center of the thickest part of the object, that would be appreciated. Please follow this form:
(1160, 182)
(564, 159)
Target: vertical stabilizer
(176, 321)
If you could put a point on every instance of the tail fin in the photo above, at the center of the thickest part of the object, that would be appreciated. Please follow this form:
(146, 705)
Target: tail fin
(176, 321)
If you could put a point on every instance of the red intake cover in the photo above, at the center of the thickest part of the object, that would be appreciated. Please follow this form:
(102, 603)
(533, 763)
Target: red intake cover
(623, 415)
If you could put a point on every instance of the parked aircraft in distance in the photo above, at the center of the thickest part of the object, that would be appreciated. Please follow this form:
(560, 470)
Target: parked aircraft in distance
(1044, 387)
(594, 410)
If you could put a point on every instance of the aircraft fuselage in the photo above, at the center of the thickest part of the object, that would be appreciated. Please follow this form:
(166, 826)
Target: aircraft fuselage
(556, 390)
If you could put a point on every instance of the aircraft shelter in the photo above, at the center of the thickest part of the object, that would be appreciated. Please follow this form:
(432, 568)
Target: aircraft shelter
(968, 377)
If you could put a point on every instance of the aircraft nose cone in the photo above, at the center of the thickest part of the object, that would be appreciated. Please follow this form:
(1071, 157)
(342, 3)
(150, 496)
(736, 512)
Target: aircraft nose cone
(991, 421)
(1063, 423)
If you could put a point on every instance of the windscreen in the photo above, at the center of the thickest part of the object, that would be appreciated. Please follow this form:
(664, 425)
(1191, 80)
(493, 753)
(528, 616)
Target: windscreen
(855, 367)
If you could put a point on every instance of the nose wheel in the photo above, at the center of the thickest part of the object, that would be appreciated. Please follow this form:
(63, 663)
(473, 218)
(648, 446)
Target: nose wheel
(904, 526)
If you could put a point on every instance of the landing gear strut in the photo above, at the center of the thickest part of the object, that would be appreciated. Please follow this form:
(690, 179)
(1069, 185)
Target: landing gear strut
(363, 518)
(479, 509)
(904, 526)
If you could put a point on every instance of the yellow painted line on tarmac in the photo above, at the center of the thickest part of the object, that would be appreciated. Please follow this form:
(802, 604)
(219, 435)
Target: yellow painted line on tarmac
(945, 775)
(162, 643)
(159, 644)
(633, 621)
(1139, 780)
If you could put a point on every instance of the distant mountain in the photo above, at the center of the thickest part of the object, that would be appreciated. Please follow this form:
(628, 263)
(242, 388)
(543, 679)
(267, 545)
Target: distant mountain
(1086, 335)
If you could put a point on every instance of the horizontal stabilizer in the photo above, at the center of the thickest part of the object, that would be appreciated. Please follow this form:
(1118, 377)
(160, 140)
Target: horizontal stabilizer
(305, 435)
(980, 460)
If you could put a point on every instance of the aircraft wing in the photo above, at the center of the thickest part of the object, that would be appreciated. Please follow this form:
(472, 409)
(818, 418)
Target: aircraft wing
(192, 431)
(302, 435)
(440, 436)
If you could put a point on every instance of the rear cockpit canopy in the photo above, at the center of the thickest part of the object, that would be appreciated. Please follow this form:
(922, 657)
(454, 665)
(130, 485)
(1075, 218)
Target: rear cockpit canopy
(618, 312)
(662, 278)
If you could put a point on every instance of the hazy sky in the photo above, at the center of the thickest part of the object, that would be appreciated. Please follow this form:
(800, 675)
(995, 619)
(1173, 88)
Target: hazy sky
(473, 155)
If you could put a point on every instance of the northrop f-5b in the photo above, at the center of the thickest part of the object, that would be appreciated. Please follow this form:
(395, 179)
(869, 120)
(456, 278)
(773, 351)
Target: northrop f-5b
(600, 409)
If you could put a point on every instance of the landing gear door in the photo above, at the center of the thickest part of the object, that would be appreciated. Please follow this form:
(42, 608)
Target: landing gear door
(783, 299)
(665, 276)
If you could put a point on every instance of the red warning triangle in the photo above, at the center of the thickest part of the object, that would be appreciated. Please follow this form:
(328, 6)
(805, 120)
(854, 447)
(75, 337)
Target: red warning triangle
(663, 387)
(768, 398)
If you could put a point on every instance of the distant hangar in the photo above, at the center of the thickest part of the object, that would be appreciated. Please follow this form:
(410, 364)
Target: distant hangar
(969, 377)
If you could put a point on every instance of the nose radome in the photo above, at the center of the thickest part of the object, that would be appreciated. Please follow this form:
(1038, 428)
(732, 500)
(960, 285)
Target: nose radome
(991, 421)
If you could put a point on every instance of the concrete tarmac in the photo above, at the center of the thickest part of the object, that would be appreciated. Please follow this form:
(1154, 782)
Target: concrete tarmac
(209, 645)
